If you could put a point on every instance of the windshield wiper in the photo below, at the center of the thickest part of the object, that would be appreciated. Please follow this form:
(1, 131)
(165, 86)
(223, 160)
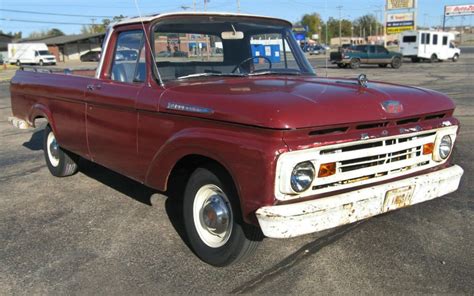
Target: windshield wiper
(210, 75)
(276, 73)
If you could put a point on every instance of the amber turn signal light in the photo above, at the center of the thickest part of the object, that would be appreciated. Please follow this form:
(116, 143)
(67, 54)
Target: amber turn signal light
(327, 169)
(428, 148)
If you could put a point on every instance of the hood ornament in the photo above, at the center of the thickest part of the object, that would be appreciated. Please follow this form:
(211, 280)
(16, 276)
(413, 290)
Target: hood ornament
(392, 107)
(362, 79)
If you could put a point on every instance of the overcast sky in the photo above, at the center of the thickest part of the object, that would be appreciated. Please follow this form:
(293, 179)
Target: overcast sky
(429, 11)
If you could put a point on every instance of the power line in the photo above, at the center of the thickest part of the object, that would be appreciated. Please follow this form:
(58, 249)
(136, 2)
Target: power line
(44, 22)
(58, 14)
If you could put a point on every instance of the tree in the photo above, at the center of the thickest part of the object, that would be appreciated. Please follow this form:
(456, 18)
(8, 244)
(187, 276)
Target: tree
(367, 25)
(100, 28)
(333, 29)
(15, 35)
(46, 33)
(313, 22)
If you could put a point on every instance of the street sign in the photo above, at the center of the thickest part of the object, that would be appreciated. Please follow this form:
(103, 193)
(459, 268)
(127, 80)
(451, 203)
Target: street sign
(400, 4)
(458, 10)
(399, 22)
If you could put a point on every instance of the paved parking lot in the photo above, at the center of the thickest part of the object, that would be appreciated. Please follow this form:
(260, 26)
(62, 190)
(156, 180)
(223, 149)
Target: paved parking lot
(100, 233)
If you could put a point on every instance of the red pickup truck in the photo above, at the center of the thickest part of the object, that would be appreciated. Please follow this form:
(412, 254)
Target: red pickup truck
(229, 103)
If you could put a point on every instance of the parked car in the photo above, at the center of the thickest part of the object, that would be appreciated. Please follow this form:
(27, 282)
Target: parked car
(91, 56)
(126, 55)
(431, 46)
(366, 54)
(317, 50)
(164, 54)
(247, 148)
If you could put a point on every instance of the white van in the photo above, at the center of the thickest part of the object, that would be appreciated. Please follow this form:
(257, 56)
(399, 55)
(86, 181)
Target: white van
(30, 53)
(429, 45)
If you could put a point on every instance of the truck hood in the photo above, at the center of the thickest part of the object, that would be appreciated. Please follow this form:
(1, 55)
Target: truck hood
(296, 102)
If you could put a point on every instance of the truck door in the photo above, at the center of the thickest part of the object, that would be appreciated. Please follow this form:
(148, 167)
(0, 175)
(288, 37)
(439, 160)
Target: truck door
(111, 105)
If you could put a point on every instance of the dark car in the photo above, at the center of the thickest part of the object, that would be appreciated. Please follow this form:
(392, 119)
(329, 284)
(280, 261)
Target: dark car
(91, 56)
(366, 54)
(317, 49)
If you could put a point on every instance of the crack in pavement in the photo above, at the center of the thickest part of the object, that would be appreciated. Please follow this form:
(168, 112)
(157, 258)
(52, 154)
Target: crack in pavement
(295, 258)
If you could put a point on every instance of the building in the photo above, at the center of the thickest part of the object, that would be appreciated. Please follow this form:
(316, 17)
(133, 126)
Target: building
(336, 41)
(4, 40)
(70, 47)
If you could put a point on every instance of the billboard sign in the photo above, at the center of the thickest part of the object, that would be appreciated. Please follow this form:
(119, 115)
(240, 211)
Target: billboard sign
(456, 10)
(300, 32)
(399, 22)
(400, 4)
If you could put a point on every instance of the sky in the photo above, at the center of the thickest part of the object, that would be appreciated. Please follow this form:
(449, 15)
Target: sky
(85, 11)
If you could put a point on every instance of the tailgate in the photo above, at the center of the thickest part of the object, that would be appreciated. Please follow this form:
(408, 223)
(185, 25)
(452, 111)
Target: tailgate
(335, 56)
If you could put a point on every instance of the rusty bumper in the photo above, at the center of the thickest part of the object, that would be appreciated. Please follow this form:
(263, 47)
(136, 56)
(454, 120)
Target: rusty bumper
(285, 221)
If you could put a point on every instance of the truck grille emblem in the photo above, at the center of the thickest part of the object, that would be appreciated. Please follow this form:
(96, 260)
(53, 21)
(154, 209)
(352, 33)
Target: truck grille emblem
(392, 107)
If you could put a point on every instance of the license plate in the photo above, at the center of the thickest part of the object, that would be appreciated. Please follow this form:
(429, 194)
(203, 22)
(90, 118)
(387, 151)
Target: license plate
(398, 198)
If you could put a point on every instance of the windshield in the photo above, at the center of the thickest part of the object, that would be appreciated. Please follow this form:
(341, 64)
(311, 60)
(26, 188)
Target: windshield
(206, 46)
(44, 52)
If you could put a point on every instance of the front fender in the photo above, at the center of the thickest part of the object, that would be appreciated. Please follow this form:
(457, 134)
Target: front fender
(248, 156)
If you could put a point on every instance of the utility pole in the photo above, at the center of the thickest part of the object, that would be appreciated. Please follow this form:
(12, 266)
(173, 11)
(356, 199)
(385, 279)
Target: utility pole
(340, 24)
(238, 6)
(205, 5)
(194, 5)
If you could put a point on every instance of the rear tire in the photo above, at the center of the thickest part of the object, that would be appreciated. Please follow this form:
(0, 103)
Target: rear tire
(355, 64)
(60, 162)
(434, 58)
(455, 58)
(396, 63)
(340, 65)
(213, 220)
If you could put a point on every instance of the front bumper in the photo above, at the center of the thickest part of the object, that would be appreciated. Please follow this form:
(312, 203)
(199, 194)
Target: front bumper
(284, 221)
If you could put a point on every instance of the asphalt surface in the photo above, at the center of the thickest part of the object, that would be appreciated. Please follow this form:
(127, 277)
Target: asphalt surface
(100, 233)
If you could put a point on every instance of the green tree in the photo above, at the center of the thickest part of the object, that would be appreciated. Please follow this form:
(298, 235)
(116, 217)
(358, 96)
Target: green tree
(333, 29)
(313, 22)
(367, 25)
(100, 28)
(46, 33)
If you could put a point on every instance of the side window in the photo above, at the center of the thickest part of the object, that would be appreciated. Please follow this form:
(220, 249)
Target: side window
(381, 49)
(435, 39)
(128, 62)
(445, 40)
(428, 38)
(36, 54)
(423, 38)
(371, 49)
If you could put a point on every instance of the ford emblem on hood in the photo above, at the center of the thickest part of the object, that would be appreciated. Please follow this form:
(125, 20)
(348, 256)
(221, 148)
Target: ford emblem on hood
(392, 107)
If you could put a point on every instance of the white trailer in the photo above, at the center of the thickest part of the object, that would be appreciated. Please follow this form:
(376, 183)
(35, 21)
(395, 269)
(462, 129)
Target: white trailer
(30, 53)
(429, 45)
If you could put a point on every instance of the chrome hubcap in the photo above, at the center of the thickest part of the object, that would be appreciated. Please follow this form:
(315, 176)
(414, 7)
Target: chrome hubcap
(212, 216)
(53, 150)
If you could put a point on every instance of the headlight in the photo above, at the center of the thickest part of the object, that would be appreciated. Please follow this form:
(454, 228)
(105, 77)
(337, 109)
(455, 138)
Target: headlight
(302, 176)
(445, 147)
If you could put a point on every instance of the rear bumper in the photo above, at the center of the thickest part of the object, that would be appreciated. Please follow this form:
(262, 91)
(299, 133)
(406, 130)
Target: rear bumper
(284, 221)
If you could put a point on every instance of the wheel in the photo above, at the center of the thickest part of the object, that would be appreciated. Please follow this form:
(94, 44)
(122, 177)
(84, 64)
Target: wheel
(383, 65)
(396, 63)
(355, 63)
(18, 63)
(340, 65)
(41, 63)
(415, 60)
(60, 162)
(433, 58)
(455, 58)
(213, 220)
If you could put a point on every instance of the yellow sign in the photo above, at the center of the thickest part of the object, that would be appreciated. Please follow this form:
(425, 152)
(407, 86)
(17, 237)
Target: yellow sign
(400, 4)
(398, 30)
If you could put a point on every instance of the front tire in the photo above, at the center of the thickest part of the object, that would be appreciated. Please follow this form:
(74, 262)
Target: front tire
(455, 58)
(60, 162)
(18, 63)
(213, 220)
(434, 58)
(41, 63)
